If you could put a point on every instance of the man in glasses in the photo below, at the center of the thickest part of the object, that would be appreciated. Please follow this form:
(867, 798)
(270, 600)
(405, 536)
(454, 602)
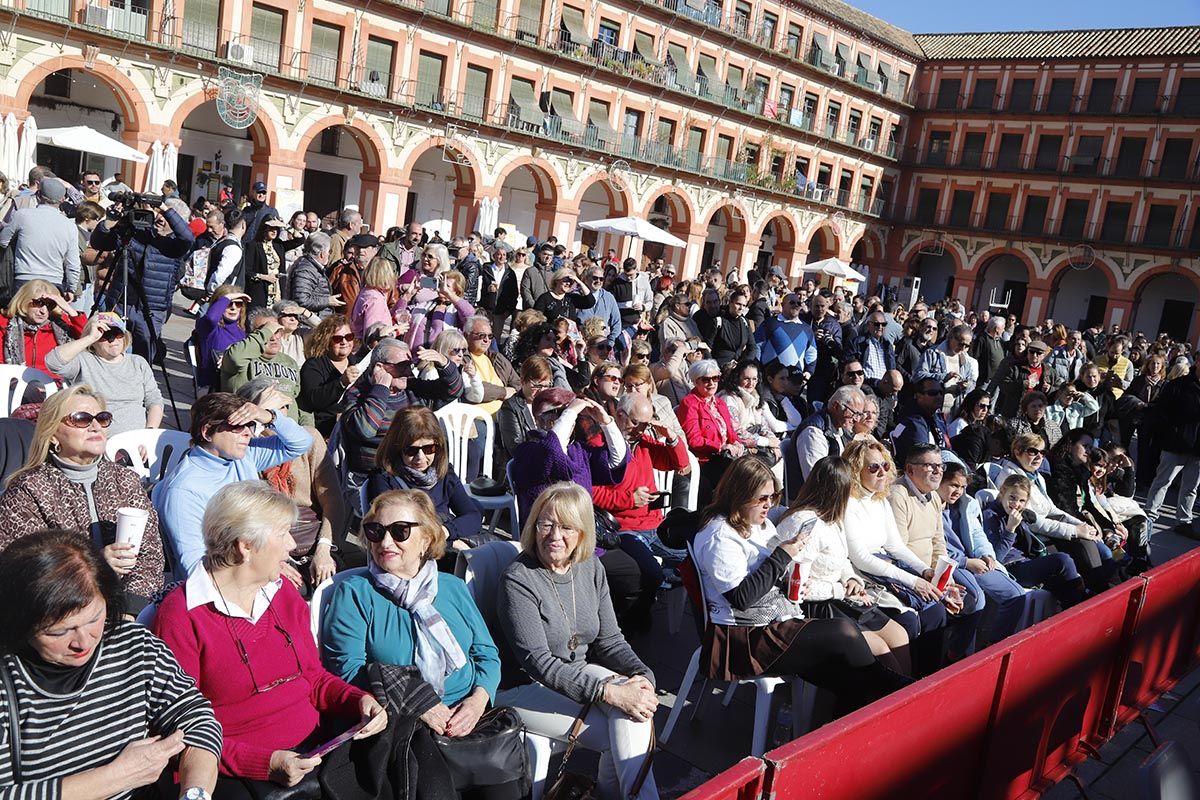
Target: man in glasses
(787, 338)
(924, 422)
(92, 191)
(825, 433)
(606, 303)
(500, 380)
(916, 355)
(873, 350)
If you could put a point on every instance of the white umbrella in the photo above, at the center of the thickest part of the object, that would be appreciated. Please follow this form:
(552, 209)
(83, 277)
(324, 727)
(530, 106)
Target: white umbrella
(8, 148)
(154, 176)
(636, 227)
(87, 140)
(27, 152)
(835, 268)
(171, 162)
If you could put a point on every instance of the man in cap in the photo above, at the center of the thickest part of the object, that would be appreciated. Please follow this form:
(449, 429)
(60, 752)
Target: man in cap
(44, 242)
(1017, 375)
(536, 279)
(345, 277)
(256, 211)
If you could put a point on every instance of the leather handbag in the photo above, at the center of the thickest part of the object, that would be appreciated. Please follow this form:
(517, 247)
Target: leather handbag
(576, 785)
(492, 754)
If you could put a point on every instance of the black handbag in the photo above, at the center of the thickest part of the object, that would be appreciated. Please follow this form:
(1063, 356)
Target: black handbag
(608, 530)
(492, 754)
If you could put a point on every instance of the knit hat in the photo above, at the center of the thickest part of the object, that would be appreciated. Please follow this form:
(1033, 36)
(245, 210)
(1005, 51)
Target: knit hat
(549, 399)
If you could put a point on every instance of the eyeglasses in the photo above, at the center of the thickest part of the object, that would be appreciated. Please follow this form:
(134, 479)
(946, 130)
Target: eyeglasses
(403, 369)
(43, 302)
(82, 419)
(399, 530)
(92, 183)
(482, 337)
(933, 392)
(932, 466)
(458, 351)
(708, 379)
(766, 499)
(343, 338)
(855, 373)
(546, 527)
(251, 426)
(1033, 451)
(616, 378)
(236, 303)
(540, 386)
(245, 656)
(595, 277)
(289, 316)
(427, 449)
(877, 467)
(874, 324)
(112, 335)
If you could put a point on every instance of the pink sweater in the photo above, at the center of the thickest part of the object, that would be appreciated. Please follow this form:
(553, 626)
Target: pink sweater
(370, 307)
(256, 725)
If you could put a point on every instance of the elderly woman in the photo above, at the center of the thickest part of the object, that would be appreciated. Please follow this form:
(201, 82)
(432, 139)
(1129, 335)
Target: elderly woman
(565, 297)
(223, 324)
(289, 315)
(371, 305)
(433, 309)
(266, 260)
(327, 371)
(67, 483)
(65, 647)
(98, 358)
(565, 651)
(515, 419)
(754, 629)
(414, 456)
(453, 345)
(36, 321)
(312, 482)
(243, 634)
(712, 437)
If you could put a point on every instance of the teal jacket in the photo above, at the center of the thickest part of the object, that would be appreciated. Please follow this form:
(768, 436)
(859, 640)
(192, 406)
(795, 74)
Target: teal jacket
(362, 626)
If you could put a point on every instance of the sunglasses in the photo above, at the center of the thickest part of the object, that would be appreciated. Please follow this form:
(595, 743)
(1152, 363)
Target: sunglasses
(933, 392)
(1033, 451)
(236, 303)
(458, 351)
(766, 499)
(42, 302)
(403, 369)
(877, 467)
(427, 449)
(112, 335)
(92, 183)
(251, 426)
(708, 379)
(855, 373)
(289, 316)
(399, 530)
(616, 378)
(82, 419)
(483, 337)
(344, 338)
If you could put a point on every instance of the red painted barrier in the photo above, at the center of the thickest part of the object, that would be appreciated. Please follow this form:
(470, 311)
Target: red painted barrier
(742, 781)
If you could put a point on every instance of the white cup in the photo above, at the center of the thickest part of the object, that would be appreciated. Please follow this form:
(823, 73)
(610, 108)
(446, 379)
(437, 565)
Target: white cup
(131, 525)
(943, 572)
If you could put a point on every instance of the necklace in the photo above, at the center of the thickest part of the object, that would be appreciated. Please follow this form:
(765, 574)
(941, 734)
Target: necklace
(573, 623)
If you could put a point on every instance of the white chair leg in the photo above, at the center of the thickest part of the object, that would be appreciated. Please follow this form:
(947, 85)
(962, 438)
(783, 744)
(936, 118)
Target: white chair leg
(676, 601)
(685, 688)
(762, 716)
(539, 751)
(804, 700)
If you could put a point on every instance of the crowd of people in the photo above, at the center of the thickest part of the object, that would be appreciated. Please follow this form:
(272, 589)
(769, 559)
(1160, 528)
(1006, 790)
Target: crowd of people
(882, 491)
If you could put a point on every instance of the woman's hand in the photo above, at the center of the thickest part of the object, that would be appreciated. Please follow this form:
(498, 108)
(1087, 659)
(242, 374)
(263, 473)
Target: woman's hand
(59, 301)
(1087, 532)
(335, 301)
(286, 570)
(95, 330)
(437, 717)
(468, 367)
(429, 354)
(634, 697)
(855, 590)
(141, 762)
(926, 590)
(288, 768)
(466, 714)
(736, 449)
(373, 714)
(322, 565)
(121, 557)
(350, 375)
(1014, 521)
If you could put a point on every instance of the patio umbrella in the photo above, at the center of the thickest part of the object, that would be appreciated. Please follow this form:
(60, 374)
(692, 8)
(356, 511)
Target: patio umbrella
(835, 268)
(27, 152)
(154, 175)
(171, 162)
(8, 148)
(635, 227)
(87, 140)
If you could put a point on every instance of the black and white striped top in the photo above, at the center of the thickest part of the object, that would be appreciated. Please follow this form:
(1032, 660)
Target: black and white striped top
(136, 689)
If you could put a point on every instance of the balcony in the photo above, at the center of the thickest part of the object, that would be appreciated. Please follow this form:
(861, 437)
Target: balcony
(1061, 165)
(1074, 105)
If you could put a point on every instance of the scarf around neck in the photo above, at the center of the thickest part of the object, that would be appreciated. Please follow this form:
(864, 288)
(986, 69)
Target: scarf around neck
(437, 653)
(14, 337)
(417, 479)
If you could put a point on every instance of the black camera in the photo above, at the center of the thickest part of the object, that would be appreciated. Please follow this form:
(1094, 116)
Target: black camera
(127, 209)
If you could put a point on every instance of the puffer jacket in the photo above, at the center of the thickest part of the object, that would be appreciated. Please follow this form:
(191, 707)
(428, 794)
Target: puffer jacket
(158, 260)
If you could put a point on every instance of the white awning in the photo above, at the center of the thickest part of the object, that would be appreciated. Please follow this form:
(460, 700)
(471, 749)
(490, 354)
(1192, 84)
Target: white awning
(521, 94)
(885, 70)
(598, 117)
(864, 61)
(643, 45)
(843, 51)
(561, 106)
(572, 20)
(683, 73)
(86, 140)
(819, 42)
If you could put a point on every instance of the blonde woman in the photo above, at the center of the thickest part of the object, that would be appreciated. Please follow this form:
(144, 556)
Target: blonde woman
(37, 320)
(453, 345)
(566, 296)
(223, 324)
(430, 310)
(371, 306)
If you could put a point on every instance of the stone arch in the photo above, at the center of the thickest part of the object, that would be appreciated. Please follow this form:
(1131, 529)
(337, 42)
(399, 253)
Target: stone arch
(1074, 293)
(264, 131)
(683, 209)
(546, 179)
(127, 92)
(786, 240)
(371, 146)
(867, 245)
(830, 241)
(469, 174)
(985, 282)
(616, 190)
(601, 197)
(726, 227)
(1149, 312)
(948, 245)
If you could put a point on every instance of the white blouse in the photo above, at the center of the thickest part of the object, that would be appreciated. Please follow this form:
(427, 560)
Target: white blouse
(724, 558)
(826, 551)
(871, 531)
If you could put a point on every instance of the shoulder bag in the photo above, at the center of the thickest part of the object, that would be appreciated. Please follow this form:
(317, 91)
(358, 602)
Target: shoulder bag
(492, 754)
(576, 785)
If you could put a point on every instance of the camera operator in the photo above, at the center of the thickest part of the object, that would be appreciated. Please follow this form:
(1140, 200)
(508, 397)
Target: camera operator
(155, 258)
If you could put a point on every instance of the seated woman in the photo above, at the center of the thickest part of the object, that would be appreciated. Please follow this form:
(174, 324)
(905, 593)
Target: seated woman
(98, 358)
(327, 371)
(974, 409)
(515, 419)
(1050, 420)
(971, 432)
(223, 324)
(453, 345)
(753, 628)
(1071, 488)
(67, 647)
(755, 423)
(709, 428)
(564, 648)
(311, 481)
(243, 634)
(414, 456)
(833, 589)
(638, 379)
(1071, 535)
(68, 484)
(403, 611)
(36, 321)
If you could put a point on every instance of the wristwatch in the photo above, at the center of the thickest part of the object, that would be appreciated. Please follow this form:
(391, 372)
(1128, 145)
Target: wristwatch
(197, 793)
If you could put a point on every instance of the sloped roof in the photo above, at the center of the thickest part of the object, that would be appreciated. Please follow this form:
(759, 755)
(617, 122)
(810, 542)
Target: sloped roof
(1099, 43)
(868, 25)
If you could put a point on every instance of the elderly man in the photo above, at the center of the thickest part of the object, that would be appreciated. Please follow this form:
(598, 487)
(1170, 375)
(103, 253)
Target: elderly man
(787, 338)
(410, 246)
(388, 385)
(44, 242)
(345, 276)
(873, 350)
(989, 349)
(309, 286)
(606, 304)
(887, 391)
(260, 355)
(500, 380)
(349, 223)
(825, 433)
(1018, 375)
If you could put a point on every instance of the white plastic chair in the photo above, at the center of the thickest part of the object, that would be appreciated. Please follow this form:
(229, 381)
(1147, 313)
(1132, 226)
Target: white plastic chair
(676, 598)
(193, 361)
(459, 421)
(803, 694)
(514, 511)
(693, 499)
(318, 604)
(163, 447)
(15, 379)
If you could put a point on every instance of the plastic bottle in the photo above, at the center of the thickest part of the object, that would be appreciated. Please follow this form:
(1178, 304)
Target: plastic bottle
(783, 725)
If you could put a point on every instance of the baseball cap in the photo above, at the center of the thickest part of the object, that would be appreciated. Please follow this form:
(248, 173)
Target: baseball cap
(531, 241)
(363, 240)
(113, 319)
(259, 186)
(52, 190)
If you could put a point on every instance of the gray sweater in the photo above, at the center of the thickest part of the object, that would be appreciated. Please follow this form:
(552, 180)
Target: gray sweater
(128, 386)
(536, 629)
(45, 245)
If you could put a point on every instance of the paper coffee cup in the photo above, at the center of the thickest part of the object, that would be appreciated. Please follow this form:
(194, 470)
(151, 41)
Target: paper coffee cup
(942, 573)
(131, 525)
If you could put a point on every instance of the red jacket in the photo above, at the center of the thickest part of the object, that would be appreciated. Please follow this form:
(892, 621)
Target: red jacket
(41, 341)
(701, 428)
(647, 455)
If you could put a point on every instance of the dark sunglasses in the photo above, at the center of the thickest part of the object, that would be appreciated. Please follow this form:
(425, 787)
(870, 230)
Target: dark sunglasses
(399, 530)
(82, 419)
(111, 335)
(289, 316)
(92, 183)
(42, 302)
(877, 467)
(345, 338)
(855, 373)
(427, 449)
(933, 392)
(708, 378)
(483, 337)
(236, 303)
(403, 369)
(251, 426)
(1033, 451)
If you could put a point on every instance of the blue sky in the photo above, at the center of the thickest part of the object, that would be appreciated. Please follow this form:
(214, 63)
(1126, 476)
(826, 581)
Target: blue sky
(935, 16)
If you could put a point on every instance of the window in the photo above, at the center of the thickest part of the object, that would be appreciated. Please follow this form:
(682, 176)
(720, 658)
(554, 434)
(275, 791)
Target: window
(1194, 242)
(853, 124)
(529, 20)
(1034, 221)
(947, 96)
(666, 131)
(1116, 220)
(58, 84)
(1087, 155)
(484, 14)
(1062, 93)
(960, 208)
(1075, 213)
(1100, 96)
(323, 52)
(1047, 152)
(573, 28)
(902, 90)
(201, 22)
(927, 203)
(833, 114)
(431, 70)
(724, 147)
(695, 146)
(874, 128)
(996, 218)
(478, 90)
(266, 27)
(795, 39)
(802, 167)
(1020, 97)
(1187, 100)
(750, 154)
(710, 80)
(766, 36)
(609, 33)
(866, 188)
(331, 140)
(1129, 157)
(972, 154)
(1145, 96)
(377, 78)
(562, 109)
(939, 147)
(741, 17)
(1009, 156)
(632, 126)
(841, 57)
(524, 111)
(1173, 163)
(985, 94)
(810, 105)
(1158, 226)
(787, 96)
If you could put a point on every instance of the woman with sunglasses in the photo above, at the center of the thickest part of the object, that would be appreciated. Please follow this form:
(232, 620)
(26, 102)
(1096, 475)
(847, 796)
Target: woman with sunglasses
(244, 635)
(453, 345)
(413, 456)
(37, 320)
(67, 484)
(98, 358)
(433, 309)
(566, 296)
(711, 435)
(675, 317)
(327, 372)
(753, 628)
(223, 324)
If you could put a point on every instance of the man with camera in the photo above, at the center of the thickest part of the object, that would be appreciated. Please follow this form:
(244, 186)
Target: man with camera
(156, 240)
